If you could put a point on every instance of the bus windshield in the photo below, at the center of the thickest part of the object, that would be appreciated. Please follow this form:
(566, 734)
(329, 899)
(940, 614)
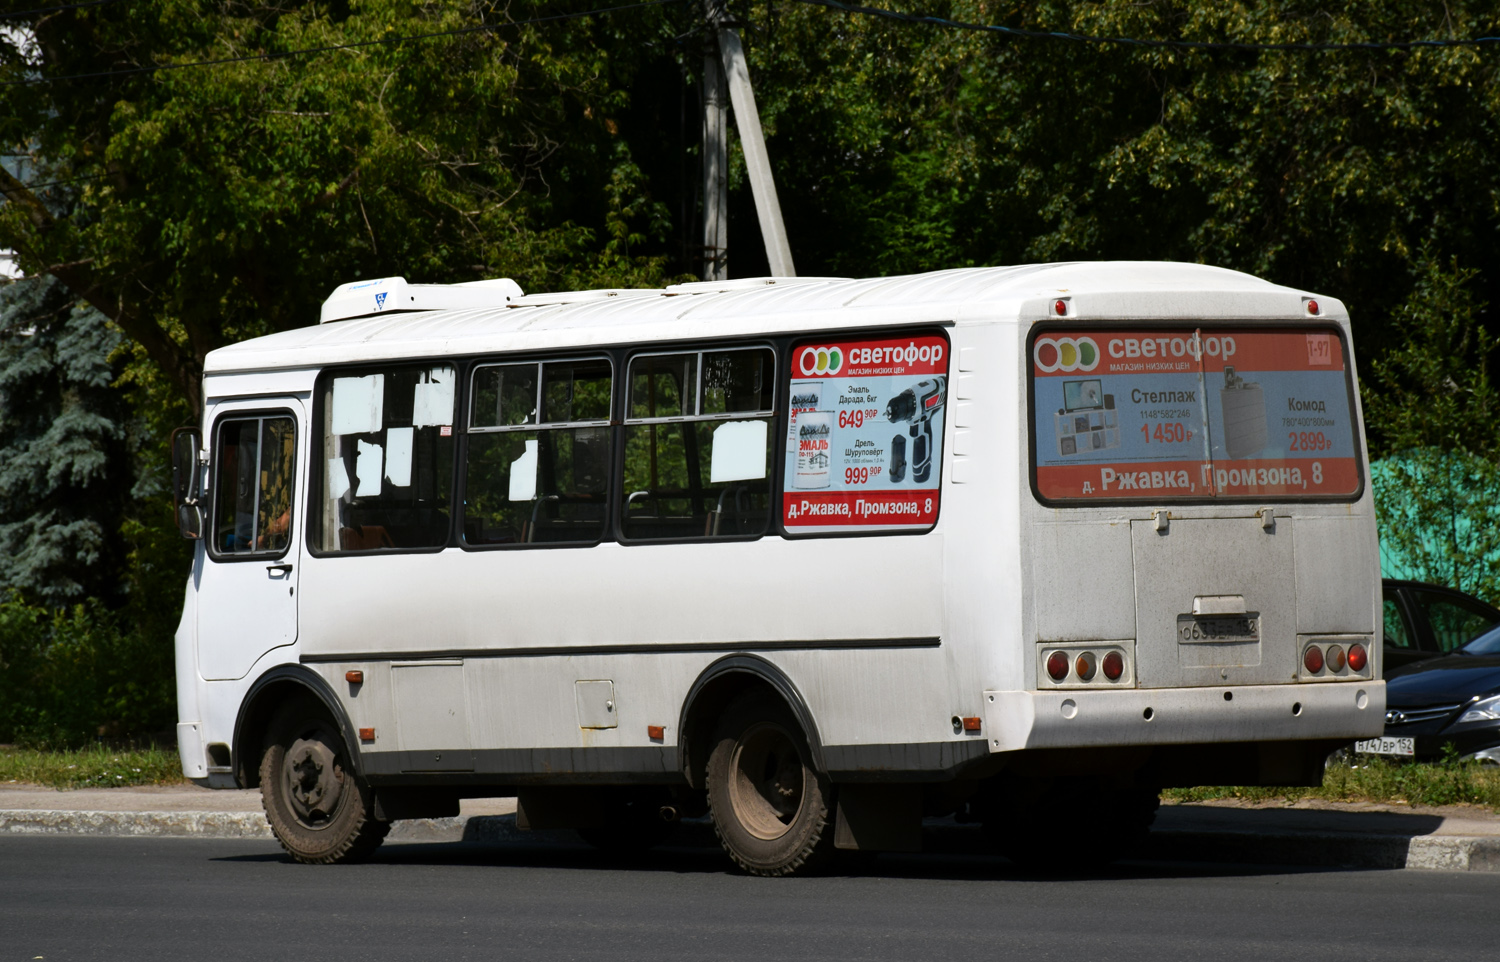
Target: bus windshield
(1192, 414)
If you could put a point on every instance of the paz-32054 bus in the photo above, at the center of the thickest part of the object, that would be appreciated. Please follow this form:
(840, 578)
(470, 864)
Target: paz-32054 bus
(817, 557)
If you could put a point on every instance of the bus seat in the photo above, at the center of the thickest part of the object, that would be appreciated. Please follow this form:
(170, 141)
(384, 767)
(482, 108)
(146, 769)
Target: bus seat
(365, 537)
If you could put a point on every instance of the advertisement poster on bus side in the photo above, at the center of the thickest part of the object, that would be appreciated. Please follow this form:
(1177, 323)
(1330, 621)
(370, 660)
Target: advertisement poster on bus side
(864, 443)
(1158, 414)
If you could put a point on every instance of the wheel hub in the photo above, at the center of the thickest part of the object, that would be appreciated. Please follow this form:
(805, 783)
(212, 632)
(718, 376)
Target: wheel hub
(314, 780)
(768, 781)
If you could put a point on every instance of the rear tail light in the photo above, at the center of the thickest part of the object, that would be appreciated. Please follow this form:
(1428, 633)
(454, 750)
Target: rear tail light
(1312, 659)
(1086, 665)
(1057, 665)
(1114, 666)
(1335, 658)
(1312, 307)
(1357, 657)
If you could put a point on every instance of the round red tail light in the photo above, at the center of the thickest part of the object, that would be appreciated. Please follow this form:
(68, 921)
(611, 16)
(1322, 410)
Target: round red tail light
(1086, 665)
(1061, 307)
(1312, 307)
(1057, 665)
(1335, 658)
(1357, 657)
(1114, 666)
(1312, 659)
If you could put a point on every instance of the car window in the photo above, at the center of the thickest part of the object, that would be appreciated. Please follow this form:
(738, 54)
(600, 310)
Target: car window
(1397, 634)
(1486, 644)
(1454, 621)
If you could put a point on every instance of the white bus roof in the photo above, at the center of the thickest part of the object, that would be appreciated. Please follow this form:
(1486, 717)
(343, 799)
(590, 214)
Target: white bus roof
(1095, 290)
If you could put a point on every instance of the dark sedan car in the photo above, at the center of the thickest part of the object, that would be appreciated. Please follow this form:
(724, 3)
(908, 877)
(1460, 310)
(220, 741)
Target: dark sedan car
(1424, 621)
(1453, 700)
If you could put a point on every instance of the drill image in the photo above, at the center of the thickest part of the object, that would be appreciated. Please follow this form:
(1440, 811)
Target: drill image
(916, 404)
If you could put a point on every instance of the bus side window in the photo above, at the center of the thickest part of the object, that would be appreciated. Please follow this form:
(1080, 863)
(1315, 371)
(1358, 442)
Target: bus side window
(698, 445)
(385, 474)
(255, 460)
(539, 453)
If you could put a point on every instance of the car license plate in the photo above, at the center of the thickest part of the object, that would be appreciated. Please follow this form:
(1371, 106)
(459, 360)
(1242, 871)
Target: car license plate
(1196, 629)
(1386, 746)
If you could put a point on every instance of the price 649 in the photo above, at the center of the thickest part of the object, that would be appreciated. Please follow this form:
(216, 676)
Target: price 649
(856, 418)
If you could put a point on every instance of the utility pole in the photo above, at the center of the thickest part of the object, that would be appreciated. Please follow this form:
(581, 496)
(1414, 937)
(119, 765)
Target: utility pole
(730, 70)
(715, 166)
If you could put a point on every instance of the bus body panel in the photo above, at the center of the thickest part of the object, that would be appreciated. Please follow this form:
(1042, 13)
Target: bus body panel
(890, 640)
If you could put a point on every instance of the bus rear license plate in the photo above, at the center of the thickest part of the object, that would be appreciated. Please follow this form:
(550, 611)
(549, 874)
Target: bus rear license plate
(1386, 746)
(1194, 629)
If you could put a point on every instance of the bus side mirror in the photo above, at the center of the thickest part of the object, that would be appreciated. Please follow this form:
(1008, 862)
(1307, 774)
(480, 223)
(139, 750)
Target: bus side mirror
(186, 443)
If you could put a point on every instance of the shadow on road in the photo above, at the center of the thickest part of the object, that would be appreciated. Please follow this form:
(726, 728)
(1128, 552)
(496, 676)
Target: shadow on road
(695, 859)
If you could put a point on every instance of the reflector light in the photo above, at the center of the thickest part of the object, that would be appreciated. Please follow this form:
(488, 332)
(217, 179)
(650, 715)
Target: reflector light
(1086, 665)
(1335, 658)
(971, 724)
(1312, 659)
(355, 677)
(367, 734)
(1061, 307)
(1114, 666)
(1057, 665)
(656, 731)
(1312, 307)
(1357, 657)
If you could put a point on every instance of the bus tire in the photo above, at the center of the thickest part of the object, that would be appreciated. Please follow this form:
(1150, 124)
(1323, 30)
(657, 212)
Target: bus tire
(318, 810)
(771, 810)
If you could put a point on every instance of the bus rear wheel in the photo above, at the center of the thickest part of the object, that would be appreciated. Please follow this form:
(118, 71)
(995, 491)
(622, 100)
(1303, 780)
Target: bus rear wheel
(771, 809)
(318, 810)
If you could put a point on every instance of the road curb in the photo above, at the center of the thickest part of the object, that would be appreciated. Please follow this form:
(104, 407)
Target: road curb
(477, 828)
(1452, 853)
(143, 824)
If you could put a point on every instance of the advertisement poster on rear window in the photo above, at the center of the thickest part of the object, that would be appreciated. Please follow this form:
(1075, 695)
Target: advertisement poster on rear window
(1192, 414)
(865, 435)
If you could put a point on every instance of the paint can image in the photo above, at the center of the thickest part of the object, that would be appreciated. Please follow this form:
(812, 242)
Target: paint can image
(814, 450)
(1244, 404)
(806, 396)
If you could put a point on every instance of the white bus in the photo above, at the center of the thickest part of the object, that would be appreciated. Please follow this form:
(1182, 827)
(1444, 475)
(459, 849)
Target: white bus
(817, 557)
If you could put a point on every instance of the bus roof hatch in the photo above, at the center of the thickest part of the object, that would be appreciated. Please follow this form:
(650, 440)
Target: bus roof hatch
(391, 295)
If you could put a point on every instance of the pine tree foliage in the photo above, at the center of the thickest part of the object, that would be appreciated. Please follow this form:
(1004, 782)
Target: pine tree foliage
(65, 472)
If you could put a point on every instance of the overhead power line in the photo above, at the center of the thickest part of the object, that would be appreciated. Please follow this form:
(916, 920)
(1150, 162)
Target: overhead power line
(1139, 42)
(852, 8)
(18, 14)
(70, 180)
(329, 48)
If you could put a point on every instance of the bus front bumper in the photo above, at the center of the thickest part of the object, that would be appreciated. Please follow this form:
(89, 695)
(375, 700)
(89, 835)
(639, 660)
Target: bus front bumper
(1016, 720)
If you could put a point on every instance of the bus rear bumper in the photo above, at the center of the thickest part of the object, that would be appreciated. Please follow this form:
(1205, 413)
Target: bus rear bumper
(1016, 720)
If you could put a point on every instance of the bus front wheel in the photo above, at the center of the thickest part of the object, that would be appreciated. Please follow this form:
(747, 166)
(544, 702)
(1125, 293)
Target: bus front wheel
(771, 809)
(318, 810)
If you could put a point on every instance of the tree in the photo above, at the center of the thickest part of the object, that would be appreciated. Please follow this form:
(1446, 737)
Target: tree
(65, 470)
(205, 205)
(1437, 480)
(909, 147)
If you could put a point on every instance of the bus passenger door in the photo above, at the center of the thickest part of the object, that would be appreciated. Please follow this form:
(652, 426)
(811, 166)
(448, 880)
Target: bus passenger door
(248, 587)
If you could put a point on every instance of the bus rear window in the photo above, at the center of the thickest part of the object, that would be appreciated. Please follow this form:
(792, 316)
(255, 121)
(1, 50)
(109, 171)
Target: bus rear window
(1192, 414)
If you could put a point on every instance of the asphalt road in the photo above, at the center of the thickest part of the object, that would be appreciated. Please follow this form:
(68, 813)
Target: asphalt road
(66, 898)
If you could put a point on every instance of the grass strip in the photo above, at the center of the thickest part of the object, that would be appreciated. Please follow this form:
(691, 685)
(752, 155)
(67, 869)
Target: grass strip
(95, 767)
(1365, 778)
